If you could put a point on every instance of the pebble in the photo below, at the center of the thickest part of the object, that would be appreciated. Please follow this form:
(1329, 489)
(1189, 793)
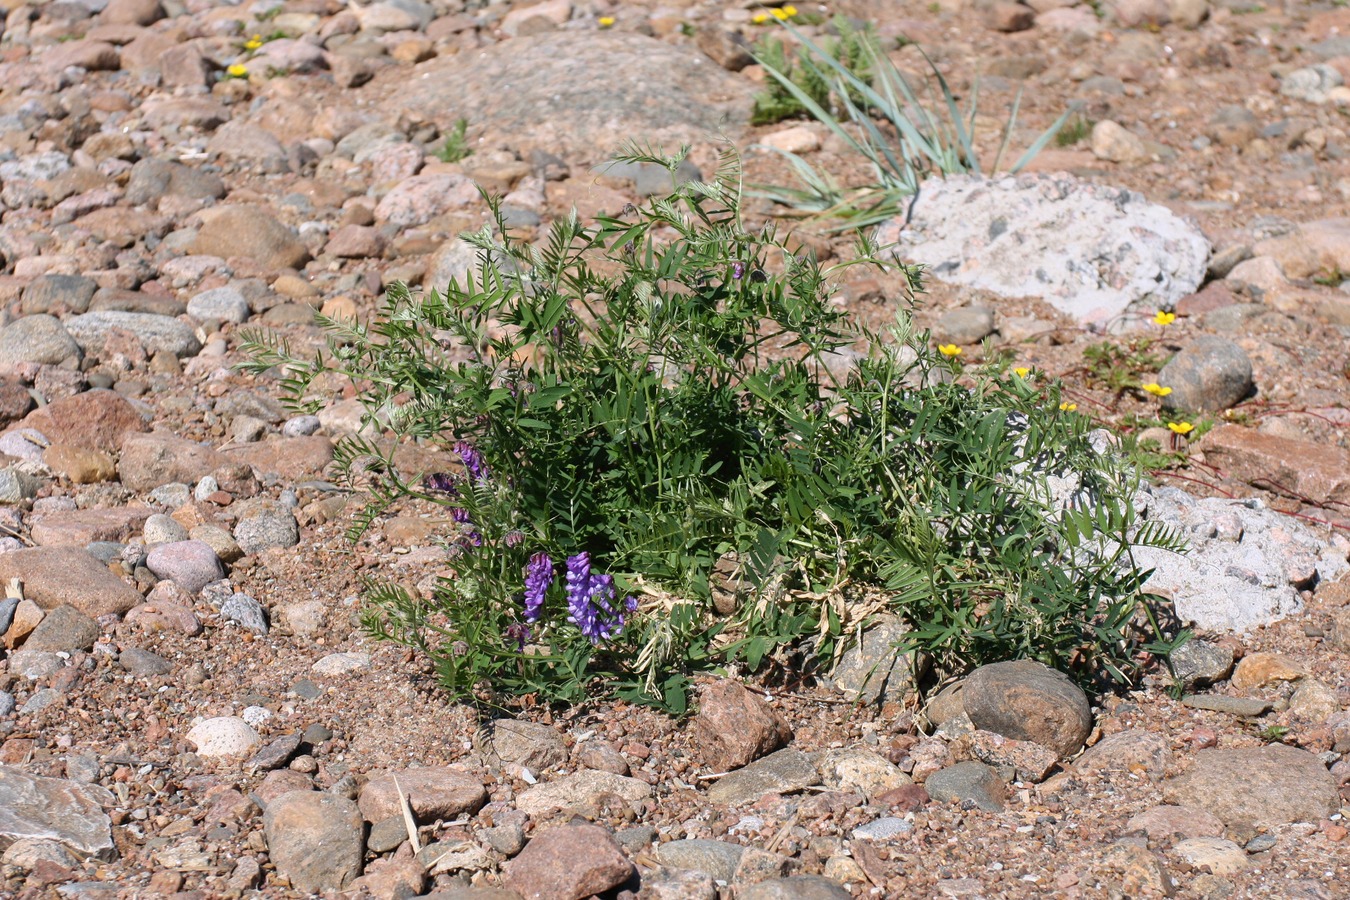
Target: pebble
(579, 790)
(57, 809)
(883, 829)
(967, 325)
(143, 662)
(1270, 785)
(336, 664)
(224, 304)
(783, 771)
(720, 859)
(1198, 663)
(265, 531)
(433, 792)
(246, 612)
(224, 737)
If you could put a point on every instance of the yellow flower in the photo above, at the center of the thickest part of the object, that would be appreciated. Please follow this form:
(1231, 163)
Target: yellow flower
(1181, 427)
(949, 350)
(1022, 371)
(1157, 390)
(605, 21)
(780, 13)
(760, 18)
(254, 42)
(1164, 318)
(238, 70)
(1066, 406)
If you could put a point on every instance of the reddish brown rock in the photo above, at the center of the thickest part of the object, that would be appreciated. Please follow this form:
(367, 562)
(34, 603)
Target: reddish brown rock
(1263, 670)
(735, 727)
(93, 56)
(53, 576)
(132, 12)
(15, 401)
(1294, 468)
(568, 863)
(1009, 17)
(79, 464)
(94, 420)
(78, 527)
(292, 459)
(149, 460)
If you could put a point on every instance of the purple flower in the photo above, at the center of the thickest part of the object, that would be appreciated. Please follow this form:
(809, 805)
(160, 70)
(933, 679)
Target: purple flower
(460, 514)
(738, 270)
(538, 578)
(590, 600)
(441, 483)
(473, 460)
(518, 632)
(514, 538)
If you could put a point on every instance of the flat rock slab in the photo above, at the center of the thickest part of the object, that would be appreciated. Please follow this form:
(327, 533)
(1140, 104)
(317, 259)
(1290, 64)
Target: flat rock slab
(1092, 251)
(579, 790)
(1271, 785)
(433, 792)
(55, 809)
(315, 839)
(53, 576)
(555, 90)
(782, 772)
(1235, 706)
(1298, 469)
(80, 527)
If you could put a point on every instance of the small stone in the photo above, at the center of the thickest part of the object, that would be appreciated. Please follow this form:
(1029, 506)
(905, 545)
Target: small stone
(246, 231)
(1215, 854)
(1006, 16)
(508, 839)
(142, 662)
(271, 529)
(1312, 84)
(225, 304)
(871, 670)
(1113, 143)
(224, 737)
(243, 610)
(568, 863)
(795, 887)
(1259, 670)
(883, 829)
(1165, 823)
(161, 529)
(859, 770)
(1198, 663)
(315, 840)
(1314, 701)
(64, 629)
(56, 809)
(1208, 375)
(433, 792)
(968, 781)
(720, 859)
(782, 772)
(276, 753)
(967, 325)
(1133, 750)
(734, 727)
(530, 745)
(190, 564)
(1028, 701)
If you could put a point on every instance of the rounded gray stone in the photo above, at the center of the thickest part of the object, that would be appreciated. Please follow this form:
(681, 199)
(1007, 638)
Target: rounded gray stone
(266, 531)
(316, 840)
(39, 339)
(64, 629)
(973, 781)
(1028, 701)
(191, 565)
(156, 333)
(967, 325)
(1209, 375)
(227, 304)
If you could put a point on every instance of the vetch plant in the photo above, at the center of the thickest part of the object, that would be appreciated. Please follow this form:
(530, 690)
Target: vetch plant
(662, 463)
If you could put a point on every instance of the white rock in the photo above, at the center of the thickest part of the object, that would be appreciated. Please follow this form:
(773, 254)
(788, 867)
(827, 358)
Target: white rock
(224, 737)
(341, 663)
(799, 139)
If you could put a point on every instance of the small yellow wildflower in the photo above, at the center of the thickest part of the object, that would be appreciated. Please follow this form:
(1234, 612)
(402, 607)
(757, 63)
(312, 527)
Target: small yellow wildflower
(1066, 406)
(605, 21)
(1157, 390)
(949, 350)
(1164, 318)
(1022, 371)
(790, 10)
(254, 42)
(760, 18)
(780, 14)
(238, 70)
(1180, 427)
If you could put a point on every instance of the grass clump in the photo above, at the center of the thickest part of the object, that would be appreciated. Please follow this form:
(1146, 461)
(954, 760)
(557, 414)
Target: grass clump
(776, 103)
(666, 461)
(903, 132)
(456, 145)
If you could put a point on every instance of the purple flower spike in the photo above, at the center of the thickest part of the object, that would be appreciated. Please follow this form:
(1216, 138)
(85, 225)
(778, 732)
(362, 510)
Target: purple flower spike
(738, 270)
(538, 578)
(518, 632)
(473, 460)
(590, 601)
(459, 514)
